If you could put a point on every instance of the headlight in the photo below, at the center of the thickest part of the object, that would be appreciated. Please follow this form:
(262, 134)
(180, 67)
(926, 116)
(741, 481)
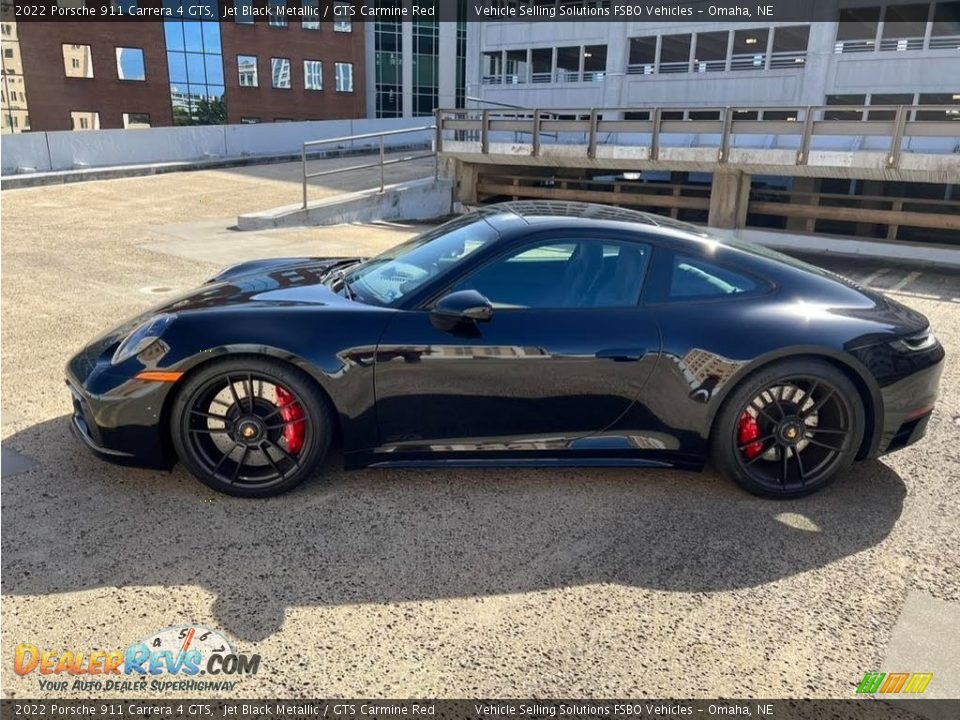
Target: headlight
(142, 337)
(916, 343)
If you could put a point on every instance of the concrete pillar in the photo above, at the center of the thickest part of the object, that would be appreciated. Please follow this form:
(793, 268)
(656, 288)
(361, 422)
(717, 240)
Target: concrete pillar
(803, 185)
(446, 64)
(729, 197)
(465, 187)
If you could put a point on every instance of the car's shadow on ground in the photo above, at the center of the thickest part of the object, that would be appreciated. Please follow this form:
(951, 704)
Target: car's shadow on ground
(76, 523)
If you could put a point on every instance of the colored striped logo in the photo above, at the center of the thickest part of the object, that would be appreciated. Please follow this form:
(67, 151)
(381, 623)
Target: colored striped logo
(891, 683)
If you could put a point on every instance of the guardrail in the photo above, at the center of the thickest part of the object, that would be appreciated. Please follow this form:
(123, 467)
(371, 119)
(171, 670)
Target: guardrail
(718, 124)
(381, 162)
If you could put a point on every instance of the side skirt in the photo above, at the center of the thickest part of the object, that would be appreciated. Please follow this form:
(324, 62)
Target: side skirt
(417, 460)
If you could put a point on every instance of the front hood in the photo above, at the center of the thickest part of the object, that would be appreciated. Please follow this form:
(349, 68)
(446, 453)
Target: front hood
(276, 282)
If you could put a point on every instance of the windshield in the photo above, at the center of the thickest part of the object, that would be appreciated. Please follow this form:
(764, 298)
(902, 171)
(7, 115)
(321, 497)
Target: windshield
(388, 277)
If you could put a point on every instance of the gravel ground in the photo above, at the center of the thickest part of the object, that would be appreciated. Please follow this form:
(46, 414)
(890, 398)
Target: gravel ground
(483, 583)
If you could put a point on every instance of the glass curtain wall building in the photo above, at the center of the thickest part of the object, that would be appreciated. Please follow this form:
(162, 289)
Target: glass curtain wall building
(388, 66)
(418, 65)
(426, 47)
(195, 66)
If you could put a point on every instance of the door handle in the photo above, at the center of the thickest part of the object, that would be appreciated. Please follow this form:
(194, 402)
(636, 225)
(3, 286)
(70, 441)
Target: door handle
(621, 354)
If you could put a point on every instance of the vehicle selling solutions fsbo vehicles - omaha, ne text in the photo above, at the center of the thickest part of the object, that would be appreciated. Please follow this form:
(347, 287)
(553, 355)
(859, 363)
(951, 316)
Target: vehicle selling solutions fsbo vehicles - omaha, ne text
(527, 333)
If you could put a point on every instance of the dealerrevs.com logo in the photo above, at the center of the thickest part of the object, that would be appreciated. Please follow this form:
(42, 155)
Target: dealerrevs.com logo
(183, 653)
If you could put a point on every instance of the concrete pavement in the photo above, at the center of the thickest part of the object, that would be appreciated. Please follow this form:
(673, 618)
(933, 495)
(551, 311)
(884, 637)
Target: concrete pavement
(597, 583)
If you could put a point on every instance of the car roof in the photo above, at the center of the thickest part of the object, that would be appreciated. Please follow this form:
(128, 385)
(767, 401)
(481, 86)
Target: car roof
(580, 214)
(512, 216)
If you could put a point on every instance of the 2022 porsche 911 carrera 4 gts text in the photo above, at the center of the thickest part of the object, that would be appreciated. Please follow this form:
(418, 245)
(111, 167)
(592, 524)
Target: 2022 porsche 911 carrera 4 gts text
(527, 333)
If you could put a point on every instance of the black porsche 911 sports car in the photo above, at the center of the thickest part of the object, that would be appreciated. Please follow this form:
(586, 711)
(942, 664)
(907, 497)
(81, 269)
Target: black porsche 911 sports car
(522, 334)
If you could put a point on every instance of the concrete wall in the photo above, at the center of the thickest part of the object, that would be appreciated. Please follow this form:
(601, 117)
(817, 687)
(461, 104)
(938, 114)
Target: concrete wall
(66, 150)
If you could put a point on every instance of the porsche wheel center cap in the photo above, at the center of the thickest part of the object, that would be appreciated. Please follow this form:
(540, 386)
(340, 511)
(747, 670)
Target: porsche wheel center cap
(790, 432)
(249, 430)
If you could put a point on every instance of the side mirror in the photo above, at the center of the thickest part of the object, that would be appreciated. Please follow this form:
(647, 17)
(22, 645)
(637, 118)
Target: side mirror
(465, 306)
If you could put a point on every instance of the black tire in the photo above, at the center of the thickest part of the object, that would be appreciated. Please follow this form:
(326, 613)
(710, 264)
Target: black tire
(252, 406)
(807, 425)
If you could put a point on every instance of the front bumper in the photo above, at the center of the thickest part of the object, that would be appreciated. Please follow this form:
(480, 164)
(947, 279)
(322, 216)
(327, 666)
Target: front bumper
(118, 418)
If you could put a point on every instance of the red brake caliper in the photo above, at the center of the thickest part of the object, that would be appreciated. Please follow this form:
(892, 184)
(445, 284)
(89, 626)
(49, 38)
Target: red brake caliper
(748, 431)
(290, 411)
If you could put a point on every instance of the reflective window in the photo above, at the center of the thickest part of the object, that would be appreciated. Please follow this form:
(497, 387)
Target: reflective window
(192, 37)
(280, 71)
(692, 278)
(341, 17)
(569, 274)
(77, 61)
(244, 11)
(195, 65)
(177, 67)
(247, 70)
(130, 64)
(311, 17)
(81, 120)
(277, 9)
(312, 75)
(249, 120)
(388, 43)
(426, 71)
(136, 120)
(344, 76)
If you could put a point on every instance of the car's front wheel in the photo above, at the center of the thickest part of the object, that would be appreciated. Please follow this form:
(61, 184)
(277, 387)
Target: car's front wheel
(789, 429)
(251, 427)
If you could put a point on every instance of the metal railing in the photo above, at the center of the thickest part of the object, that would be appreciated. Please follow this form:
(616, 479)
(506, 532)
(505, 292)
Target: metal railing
(718, 125)
(381, 162)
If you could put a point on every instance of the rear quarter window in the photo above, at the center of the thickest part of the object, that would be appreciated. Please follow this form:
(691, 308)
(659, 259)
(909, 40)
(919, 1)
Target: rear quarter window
(687, 277)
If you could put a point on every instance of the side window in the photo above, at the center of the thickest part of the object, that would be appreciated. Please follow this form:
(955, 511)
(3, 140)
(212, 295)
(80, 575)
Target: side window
(564, 274)
(693, 278)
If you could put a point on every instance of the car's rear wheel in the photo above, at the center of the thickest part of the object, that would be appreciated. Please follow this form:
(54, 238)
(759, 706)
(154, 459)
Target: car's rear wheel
(251, 427)
(789, 429)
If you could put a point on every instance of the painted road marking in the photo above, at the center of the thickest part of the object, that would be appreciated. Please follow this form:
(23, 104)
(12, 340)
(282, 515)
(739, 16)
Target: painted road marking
(906, 281)
(870, 278)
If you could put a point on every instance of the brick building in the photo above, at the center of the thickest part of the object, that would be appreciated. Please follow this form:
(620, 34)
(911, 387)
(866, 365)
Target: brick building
(300, 70)
(103, 75)
(87, 76)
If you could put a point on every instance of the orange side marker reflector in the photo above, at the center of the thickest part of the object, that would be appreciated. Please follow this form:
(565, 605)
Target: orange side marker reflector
(159, 376)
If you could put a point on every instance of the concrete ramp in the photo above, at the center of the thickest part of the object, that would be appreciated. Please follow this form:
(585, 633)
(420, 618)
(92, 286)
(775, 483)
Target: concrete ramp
(424, 199)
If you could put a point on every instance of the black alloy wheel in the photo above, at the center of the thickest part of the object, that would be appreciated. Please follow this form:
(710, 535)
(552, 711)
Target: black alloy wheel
(789, 429)
(251, 427)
